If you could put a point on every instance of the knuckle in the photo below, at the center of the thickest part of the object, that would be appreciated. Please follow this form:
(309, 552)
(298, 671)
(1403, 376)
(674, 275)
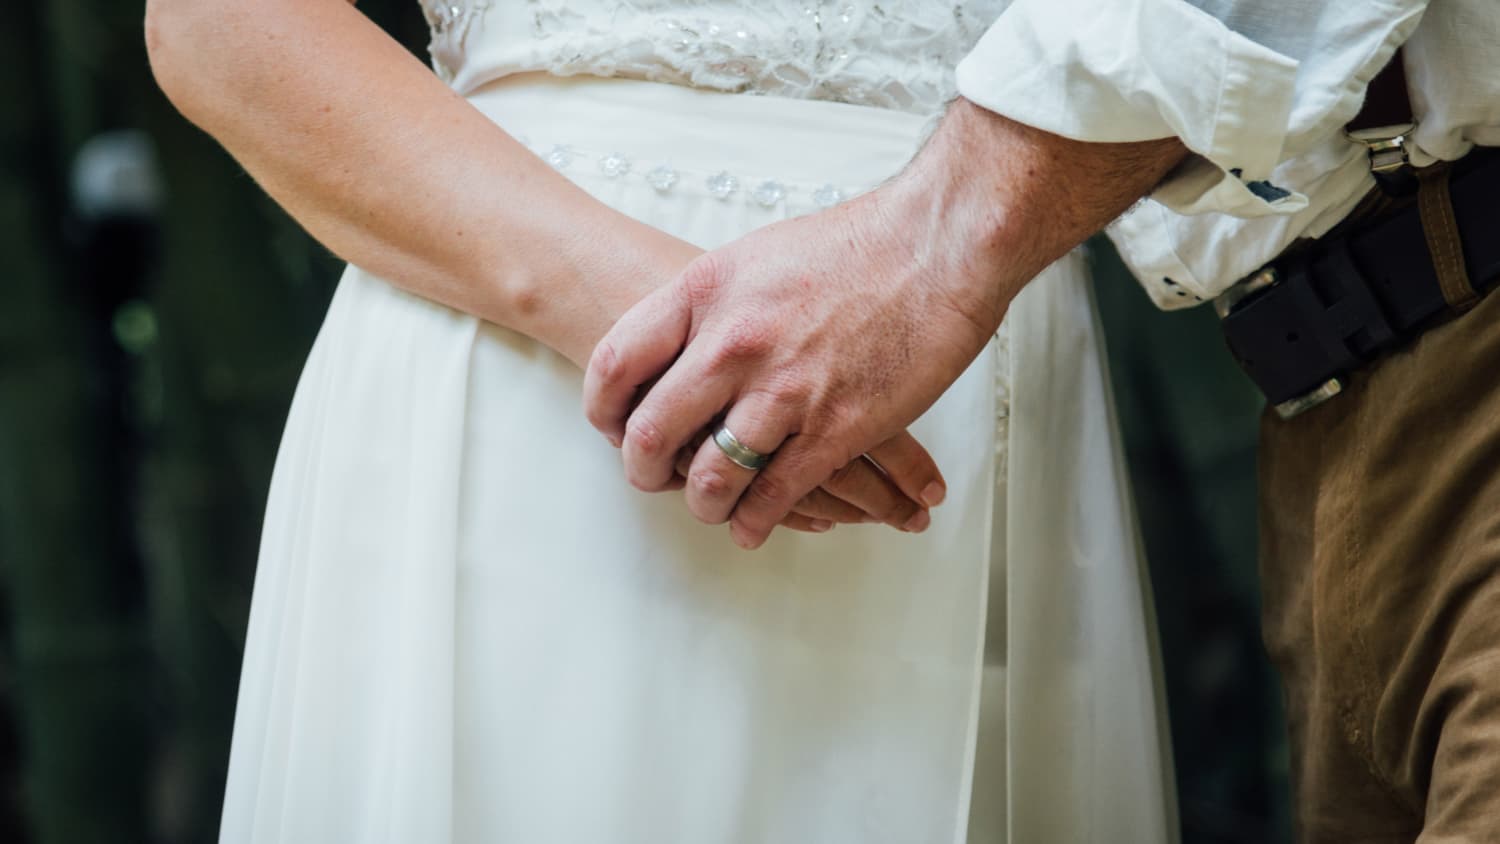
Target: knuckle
(710, 483)
(605, 363)
(644, 437)
(743, 342)
(788, 391)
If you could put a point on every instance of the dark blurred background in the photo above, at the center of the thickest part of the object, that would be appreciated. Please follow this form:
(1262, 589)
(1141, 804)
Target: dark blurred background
(155, 309)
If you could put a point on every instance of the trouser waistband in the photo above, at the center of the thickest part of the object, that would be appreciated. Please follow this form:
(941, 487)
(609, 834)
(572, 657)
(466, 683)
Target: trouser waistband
(1301, 324)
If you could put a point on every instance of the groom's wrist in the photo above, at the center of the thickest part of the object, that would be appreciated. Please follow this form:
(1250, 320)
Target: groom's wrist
(970, 201)
(1003, 200)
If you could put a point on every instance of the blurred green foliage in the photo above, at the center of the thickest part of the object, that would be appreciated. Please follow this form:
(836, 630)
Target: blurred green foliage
(146, 364)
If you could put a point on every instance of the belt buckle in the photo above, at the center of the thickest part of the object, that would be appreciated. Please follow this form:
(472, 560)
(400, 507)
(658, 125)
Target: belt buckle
(1260, 281)
(1386, 146)
(1311, 399)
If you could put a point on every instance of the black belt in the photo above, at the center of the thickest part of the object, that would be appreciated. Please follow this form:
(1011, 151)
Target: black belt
(1303, 322)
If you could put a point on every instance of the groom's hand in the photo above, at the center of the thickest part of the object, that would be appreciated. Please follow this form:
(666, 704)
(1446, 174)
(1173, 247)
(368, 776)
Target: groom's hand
(819, 338)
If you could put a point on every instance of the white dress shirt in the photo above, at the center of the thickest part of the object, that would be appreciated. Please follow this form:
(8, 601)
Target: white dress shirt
(1259, 90)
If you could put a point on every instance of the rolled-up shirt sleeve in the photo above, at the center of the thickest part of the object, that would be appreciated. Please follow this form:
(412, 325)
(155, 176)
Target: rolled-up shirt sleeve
(1142, 69)
(1248, 88)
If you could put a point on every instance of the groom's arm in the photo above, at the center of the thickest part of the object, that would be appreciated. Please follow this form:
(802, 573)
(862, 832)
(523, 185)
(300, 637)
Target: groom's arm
(1081, 94)
(824, 335)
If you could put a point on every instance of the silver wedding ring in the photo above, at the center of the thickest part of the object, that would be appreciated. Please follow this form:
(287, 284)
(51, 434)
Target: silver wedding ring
(743, 456)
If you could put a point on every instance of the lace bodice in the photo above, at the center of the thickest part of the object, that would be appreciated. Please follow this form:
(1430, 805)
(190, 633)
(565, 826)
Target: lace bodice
(889, 53)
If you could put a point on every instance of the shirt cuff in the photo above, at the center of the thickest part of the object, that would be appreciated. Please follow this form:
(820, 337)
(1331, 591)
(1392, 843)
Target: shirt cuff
(1137, 70)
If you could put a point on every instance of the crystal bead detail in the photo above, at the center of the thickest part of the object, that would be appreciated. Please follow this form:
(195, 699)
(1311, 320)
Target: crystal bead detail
(767, 194)
(614, 165)
(441, 17)
(827, 196)
(560, 156)
(662, 178)
(722, 184)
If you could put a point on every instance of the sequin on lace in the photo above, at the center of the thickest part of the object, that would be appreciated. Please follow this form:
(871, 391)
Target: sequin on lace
(449, 21)
(889, 53)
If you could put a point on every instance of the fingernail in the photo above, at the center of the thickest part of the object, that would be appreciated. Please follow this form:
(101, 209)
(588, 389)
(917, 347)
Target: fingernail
(934, 494)
(918, 522)
(614, 440)
(821, 525)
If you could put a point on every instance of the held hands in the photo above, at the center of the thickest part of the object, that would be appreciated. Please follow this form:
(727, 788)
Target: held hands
(883, 486)
(818, 339)
(822, 338)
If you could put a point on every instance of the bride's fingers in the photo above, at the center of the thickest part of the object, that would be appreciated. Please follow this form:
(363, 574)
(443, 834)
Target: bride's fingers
(911, 469)
(819, 504)
(806, 524)
(863, 485)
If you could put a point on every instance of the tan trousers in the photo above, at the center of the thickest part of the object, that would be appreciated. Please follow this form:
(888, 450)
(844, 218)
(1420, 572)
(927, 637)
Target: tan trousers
(1380, 544)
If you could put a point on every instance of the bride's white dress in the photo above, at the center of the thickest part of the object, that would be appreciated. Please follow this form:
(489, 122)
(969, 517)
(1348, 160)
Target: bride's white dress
(468, 627)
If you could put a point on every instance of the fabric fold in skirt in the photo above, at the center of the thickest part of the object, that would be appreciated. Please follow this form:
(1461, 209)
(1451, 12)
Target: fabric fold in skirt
(468, 627)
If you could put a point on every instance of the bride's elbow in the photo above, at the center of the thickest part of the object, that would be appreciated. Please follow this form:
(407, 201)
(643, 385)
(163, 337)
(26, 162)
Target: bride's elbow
(169, 25)
(180, 37)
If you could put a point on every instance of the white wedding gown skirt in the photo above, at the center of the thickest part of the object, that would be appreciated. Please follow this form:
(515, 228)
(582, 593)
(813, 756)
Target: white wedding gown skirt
(468, 627)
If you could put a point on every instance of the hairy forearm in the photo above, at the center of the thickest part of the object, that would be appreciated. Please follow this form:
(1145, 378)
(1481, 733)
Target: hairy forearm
(1003, 200)
(394, 172)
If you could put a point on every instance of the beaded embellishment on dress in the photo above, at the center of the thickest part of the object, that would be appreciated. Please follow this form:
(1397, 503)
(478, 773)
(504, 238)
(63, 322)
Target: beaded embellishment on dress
(665, 178)
(896, 54)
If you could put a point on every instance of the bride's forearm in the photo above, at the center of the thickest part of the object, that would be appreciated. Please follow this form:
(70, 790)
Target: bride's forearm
(394, 172)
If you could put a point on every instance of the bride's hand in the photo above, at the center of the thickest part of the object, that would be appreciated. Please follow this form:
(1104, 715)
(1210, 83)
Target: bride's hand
(867, 490)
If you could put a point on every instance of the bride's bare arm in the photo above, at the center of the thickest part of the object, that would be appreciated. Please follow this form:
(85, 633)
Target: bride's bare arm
(396, 173)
